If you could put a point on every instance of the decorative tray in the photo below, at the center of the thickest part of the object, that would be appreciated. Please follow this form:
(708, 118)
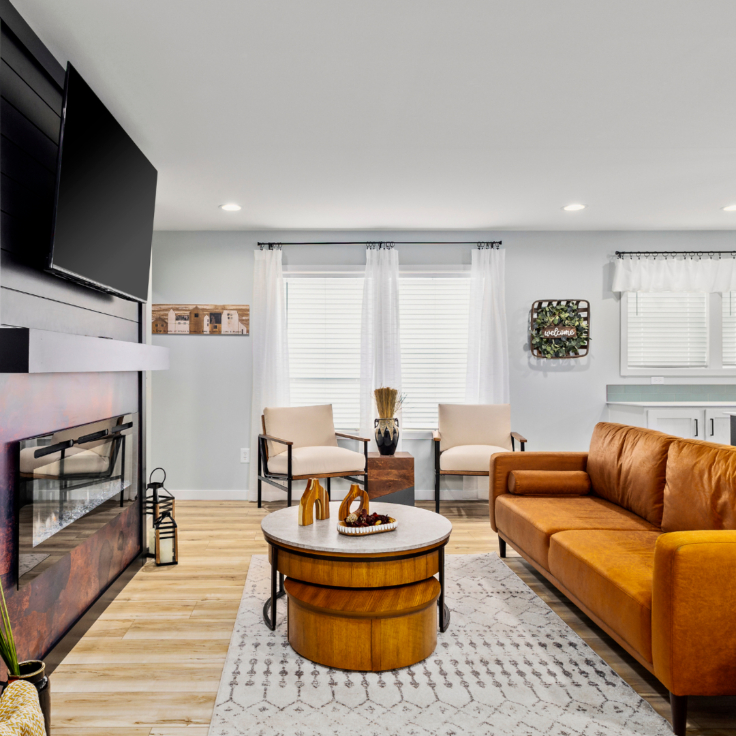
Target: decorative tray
(384, 526)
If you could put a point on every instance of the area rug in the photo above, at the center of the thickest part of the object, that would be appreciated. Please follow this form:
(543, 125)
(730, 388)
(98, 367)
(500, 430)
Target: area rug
(507, 666)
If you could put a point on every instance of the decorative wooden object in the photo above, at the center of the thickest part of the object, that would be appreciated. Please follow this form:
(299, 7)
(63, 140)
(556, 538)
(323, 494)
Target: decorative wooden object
(560, 330)
(389, 473)
(355, 492)
(314, 495)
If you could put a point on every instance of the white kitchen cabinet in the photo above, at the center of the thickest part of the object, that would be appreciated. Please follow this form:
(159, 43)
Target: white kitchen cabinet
(679, 421)
(718, 426)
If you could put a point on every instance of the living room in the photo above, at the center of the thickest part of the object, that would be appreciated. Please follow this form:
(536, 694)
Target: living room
(468, 266)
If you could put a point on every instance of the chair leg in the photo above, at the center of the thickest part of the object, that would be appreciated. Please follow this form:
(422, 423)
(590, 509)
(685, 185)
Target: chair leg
(259, 492)
(329, 497)
(437, 493)
(678, 704)
(501, 547)
(288, 492)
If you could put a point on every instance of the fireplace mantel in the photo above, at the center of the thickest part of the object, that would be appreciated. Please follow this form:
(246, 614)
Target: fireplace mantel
(24, 350)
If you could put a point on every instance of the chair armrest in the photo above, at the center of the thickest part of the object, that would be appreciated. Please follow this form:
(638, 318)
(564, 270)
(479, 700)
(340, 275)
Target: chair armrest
(436, 436)
(693, 604)
(274, 439)
(351, 437)
(502, 463)
(522, 440)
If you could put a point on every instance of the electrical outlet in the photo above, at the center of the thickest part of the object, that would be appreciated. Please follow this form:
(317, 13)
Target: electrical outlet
(657, 379)
(244, 455)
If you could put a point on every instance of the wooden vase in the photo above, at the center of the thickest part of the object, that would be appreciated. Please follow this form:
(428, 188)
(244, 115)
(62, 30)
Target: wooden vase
(355, 492)
(314, 495)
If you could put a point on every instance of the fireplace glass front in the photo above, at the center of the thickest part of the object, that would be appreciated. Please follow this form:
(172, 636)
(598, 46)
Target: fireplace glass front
(70, 484)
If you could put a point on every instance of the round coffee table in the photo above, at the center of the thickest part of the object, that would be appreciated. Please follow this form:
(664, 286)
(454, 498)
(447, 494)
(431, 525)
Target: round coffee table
(366, 603)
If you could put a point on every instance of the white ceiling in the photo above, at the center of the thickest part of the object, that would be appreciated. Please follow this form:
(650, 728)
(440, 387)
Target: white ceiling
(418, 114)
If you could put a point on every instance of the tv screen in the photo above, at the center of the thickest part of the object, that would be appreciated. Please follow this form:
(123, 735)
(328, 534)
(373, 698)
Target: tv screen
(105, 197)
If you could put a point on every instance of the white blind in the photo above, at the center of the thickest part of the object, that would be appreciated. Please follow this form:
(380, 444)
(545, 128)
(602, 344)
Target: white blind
(324, 318)
(667, 330)
(434, 346)
(728, 301)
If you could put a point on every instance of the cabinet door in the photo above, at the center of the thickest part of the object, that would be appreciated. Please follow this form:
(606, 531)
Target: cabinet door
(681, 422)
(718, 425)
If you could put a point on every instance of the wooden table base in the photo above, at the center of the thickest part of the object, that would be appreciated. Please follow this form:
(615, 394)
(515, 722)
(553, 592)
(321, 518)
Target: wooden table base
(370, 612)
(372, 629)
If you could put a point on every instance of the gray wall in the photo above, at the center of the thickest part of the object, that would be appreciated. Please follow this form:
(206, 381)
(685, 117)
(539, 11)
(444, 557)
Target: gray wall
(201, 406)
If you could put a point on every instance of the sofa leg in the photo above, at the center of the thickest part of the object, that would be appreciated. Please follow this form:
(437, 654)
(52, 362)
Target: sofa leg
(678, 703)
(501, 547)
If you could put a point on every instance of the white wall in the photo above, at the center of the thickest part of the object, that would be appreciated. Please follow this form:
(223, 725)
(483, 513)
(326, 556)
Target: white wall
(201, 406)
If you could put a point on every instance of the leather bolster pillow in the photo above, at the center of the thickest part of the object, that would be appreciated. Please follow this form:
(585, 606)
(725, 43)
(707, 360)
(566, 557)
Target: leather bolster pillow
(549, 482)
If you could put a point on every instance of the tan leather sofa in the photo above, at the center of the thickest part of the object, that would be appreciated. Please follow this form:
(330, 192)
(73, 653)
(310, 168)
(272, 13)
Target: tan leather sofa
(649, 553)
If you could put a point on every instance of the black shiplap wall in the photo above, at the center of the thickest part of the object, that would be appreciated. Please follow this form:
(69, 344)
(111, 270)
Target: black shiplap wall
(31, 94)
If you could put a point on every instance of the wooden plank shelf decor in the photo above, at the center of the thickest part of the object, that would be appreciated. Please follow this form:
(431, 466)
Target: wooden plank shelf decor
(564, 339)
(24, 350)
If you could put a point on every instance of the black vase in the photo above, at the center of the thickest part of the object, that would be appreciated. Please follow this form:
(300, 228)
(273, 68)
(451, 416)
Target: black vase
(34, 671)
(387, 435)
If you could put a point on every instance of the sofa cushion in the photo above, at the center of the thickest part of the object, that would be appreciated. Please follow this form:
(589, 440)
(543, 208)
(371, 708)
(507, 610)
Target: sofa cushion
(701, 487)
(529, 521)
(611, 573)
(471, 424)
(318, 460)
(305, 426)
(476, 458)
(627, 467)
(549, 482)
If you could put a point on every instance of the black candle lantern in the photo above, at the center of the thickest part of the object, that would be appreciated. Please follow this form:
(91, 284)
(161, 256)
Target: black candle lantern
(167, 540)
(158, 502)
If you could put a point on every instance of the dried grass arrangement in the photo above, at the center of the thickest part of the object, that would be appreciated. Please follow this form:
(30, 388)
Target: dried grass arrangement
(388, 402)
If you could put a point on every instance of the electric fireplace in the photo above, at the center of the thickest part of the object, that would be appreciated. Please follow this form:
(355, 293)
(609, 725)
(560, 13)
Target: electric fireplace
(70, 484)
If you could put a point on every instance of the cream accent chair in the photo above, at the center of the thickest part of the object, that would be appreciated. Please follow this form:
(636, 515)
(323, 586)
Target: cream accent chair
(299, 443)
(467, 437)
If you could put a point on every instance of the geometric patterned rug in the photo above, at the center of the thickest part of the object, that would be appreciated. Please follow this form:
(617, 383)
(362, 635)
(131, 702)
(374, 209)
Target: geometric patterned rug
(507, 666)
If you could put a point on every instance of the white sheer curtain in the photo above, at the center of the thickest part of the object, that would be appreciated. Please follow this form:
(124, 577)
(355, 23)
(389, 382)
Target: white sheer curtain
(270, 347)
(689, 273)
(380, 346)
(487, 378)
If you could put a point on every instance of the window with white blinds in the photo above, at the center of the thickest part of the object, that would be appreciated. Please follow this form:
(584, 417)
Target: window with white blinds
(728, 312)
(667, 330)
(324, 319)
(434, 346)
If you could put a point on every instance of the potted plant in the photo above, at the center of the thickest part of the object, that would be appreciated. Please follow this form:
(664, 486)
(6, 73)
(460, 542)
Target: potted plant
(388, 403)
(32, 670)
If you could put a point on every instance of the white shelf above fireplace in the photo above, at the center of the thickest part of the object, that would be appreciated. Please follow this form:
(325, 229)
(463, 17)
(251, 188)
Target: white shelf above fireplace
(24, 350)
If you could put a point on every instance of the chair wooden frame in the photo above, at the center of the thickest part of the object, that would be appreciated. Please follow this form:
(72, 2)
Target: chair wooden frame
(278, 479)
(437, 437)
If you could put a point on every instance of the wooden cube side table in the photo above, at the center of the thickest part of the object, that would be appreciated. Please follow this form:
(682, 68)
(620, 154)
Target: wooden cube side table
(391, 477)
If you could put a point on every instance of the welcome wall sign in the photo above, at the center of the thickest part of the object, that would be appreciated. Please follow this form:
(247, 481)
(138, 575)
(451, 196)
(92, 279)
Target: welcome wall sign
(560, 328)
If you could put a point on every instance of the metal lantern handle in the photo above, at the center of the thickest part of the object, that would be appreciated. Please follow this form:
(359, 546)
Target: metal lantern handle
(153, 471)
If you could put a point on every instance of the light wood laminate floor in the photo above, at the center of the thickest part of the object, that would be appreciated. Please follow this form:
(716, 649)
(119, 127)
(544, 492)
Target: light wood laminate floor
(151, 664)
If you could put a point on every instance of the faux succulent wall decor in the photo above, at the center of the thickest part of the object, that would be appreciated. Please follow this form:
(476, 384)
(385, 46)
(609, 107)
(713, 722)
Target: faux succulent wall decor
(560, 328)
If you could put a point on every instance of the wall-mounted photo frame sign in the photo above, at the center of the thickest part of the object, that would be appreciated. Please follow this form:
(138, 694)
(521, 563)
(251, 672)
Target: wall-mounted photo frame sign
(560, 328)
(200, 319)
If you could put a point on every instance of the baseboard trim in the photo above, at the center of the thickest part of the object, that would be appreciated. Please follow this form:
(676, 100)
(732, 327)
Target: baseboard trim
(337, 495)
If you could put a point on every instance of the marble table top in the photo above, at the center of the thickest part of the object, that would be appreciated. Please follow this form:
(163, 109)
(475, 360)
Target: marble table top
(416, 528)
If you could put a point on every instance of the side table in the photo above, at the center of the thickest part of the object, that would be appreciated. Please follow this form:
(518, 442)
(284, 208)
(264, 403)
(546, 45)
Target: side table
(391, 477)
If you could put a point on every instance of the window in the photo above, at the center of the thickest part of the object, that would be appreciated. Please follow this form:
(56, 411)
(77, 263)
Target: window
(434, 346)
(678, 334)
(324, 318)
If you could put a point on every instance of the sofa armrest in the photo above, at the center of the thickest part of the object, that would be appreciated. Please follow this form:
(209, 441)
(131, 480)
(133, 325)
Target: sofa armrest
(502, 463)
(694, 612)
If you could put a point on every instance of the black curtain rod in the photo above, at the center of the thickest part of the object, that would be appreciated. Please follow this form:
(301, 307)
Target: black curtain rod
(481, 243)
(640, 253)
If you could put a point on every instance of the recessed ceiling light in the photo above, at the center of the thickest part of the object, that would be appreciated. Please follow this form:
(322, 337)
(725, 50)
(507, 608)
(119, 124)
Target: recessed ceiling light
(730, 208)
(230, 207)
(573, 207)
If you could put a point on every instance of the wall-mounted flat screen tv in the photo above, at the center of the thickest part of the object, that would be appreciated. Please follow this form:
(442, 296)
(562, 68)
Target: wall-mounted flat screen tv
(105, 198)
